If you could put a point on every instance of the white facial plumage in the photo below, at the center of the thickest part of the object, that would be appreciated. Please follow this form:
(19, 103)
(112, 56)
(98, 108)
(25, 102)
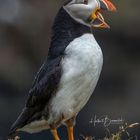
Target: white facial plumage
(80, 10)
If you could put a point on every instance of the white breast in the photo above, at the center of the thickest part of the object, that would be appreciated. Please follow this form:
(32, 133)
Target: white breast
(81, 67)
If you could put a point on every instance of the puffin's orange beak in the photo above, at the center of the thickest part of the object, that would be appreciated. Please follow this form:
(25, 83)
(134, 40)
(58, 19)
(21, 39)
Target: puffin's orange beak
(96, 16)
(107, 5)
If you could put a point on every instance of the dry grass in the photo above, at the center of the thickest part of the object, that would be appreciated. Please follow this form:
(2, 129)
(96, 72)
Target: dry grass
(118, 135)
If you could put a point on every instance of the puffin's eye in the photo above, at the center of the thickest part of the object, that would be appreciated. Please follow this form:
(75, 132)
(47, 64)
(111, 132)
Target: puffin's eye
(85, 1)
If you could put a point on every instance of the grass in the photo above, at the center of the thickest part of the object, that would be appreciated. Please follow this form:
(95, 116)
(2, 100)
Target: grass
(118, 135)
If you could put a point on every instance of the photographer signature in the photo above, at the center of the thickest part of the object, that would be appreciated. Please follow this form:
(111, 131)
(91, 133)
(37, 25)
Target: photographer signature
(105, 120)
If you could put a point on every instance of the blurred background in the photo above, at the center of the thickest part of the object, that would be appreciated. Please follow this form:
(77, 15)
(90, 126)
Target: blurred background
(25, 30)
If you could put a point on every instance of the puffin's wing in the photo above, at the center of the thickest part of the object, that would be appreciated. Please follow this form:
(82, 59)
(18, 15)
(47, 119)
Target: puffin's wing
(45, 84)
(44, 87)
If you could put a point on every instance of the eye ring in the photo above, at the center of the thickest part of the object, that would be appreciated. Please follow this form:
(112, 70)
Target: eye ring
(85, 1)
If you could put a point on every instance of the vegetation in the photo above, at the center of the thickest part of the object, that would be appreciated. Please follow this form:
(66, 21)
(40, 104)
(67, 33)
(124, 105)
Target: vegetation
(123, 130)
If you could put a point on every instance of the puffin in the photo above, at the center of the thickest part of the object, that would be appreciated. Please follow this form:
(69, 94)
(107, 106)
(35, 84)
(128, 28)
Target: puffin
(66, 80)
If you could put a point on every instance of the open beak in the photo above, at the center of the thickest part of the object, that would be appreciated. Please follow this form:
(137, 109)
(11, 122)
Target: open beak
(96, 16)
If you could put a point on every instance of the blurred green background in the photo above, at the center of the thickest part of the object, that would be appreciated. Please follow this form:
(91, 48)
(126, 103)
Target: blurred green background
(25, 30)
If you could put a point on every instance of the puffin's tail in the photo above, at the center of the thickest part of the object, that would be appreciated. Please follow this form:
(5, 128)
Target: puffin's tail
(20, 122)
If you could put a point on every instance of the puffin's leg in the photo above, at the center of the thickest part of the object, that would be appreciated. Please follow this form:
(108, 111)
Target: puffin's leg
(55, 134)
(70, 125)
(70, 132)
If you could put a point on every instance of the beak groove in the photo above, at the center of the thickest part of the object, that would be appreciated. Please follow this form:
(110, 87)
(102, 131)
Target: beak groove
(107, 5)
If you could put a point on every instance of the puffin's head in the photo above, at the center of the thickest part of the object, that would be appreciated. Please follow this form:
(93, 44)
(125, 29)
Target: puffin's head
(88, 12)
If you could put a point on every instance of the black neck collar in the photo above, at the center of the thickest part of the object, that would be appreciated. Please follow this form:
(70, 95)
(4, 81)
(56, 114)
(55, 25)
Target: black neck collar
(65, 29)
